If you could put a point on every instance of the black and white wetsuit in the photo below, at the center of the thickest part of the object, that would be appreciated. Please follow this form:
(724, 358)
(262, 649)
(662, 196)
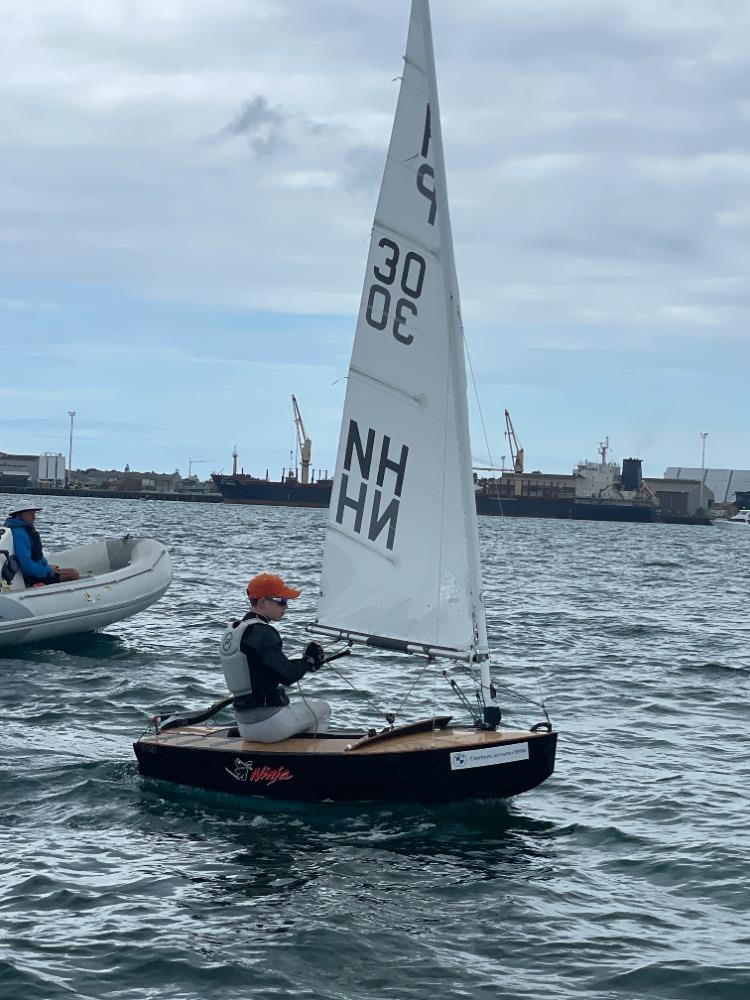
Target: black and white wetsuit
(257, 671)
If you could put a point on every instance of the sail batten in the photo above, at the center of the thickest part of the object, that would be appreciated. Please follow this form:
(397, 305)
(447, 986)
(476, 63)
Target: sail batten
(432, 251)
(403, 486)
(403, 393)
(356, 540)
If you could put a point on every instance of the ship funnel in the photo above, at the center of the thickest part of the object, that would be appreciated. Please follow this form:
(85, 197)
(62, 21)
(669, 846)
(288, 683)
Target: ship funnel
(632, 478)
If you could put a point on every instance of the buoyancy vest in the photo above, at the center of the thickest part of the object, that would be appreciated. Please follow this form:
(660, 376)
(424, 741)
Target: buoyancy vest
(233, 660)
(37, 552)
(245, 676)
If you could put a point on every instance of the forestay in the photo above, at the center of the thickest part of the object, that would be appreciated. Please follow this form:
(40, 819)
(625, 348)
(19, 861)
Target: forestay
(401, 561)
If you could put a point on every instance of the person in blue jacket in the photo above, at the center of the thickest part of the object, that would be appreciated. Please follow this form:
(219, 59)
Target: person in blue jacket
(27, 546)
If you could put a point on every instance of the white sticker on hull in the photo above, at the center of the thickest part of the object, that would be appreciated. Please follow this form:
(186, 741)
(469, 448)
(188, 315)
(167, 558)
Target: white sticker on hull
(463, 759)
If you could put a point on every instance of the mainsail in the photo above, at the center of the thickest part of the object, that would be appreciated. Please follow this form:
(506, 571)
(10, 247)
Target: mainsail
(401, 560)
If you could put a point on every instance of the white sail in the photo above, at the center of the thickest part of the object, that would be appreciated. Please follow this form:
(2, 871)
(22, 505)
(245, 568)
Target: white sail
(401, 560)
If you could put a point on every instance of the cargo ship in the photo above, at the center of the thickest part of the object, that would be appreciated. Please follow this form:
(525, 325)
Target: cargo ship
(298, 487)
(595, 491)
(289, 491)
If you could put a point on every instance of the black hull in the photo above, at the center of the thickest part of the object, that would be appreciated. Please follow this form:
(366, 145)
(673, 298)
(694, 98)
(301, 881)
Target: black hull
(416, 775)
(265, 493)
(573, 510)
(262, 492)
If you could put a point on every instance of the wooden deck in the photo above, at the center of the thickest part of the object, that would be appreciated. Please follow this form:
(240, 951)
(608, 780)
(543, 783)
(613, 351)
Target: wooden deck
(205, 738)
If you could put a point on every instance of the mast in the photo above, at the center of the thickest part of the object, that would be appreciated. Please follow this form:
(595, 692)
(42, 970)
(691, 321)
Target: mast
(456, 333)
(305, 444)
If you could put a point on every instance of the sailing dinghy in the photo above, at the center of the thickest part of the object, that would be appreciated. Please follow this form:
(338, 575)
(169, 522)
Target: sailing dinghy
(119, 578)
(401, 568)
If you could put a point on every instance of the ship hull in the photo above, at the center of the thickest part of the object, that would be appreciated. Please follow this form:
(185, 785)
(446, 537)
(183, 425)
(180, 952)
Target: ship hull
(445, 766)
(263, 492)
(567, 509)
(246, 490)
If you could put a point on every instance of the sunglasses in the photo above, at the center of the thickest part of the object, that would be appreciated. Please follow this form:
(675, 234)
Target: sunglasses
(281, 601)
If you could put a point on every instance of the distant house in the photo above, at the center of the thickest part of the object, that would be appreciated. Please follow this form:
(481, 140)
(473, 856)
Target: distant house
(194, 485)
(147, 482)
(94, 479)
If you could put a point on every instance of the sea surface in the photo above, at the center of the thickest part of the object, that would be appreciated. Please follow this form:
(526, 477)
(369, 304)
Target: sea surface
(626, 875)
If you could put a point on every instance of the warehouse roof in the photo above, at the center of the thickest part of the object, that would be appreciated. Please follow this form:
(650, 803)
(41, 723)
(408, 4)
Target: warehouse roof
(723, 483)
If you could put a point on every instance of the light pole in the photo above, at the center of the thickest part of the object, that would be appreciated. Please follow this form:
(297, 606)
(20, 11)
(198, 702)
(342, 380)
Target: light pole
(71, 414)
(704, 435)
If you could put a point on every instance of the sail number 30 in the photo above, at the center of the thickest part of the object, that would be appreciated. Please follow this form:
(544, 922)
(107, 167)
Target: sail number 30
(412, 271)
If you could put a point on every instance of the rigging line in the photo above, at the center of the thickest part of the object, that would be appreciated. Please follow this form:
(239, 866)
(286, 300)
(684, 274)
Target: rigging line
(308, 707)
(523, 697)
(416, 680)
(470, 673)
(464, 701)
(370, 702)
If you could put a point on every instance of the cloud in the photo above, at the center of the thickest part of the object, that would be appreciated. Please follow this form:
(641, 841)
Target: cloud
(262, 126)
(597, 161)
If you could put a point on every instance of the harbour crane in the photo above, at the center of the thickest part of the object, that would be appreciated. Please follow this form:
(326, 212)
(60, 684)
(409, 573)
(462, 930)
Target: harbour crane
(516, 451)
(196, 461)
(305, 444)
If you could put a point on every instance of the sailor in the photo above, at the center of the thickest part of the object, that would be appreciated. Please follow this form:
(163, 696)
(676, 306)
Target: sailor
(27, 546)
(257, 671)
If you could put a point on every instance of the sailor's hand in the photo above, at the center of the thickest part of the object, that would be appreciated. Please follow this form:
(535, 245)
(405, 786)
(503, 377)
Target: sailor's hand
(314, 655)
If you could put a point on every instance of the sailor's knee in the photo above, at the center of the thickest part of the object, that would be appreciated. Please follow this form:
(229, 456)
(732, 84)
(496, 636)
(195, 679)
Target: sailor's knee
(322, 712)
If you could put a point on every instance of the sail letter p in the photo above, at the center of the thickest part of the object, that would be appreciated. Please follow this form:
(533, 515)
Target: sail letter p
(425, 171)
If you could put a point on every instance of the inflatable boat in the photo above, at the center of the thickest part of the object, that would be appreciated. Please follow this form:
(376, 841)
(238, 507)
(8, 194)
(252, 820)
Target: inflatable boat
(119, 578)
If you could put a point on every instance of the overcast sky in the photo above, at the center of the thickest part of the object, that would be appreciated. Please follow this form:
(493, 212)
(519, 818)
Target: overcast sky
(187, 189)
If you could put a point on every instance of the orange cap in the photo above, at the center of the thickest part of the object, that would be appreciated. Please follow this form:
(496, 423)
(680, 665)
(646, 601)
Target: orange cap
(268, 585)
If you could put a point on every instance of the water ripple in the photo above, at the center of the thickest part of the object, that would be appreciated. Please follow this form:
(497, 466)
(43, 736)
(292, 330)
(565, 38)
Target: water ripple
(624, 876)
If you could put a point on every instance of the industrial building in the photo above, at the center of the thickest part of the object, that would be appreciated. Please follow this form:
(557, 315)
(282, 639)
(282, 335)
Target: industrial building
(32, 470)
(680, 496)
(724, 484)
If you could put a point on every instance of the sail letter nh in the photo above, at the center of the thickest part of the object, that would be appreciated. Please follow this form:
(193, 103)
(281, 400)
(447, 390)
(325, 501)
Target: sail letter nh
(370, 497)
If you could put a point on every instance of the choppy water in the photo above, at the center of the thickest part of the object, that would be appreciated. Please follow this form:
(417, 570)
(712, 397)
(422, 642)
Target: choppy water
(627, 875)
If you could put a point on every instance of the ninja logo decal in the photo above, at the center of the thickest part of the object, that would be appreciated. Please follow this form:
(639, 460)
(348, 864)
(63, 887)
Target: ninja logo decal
(264, 775)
